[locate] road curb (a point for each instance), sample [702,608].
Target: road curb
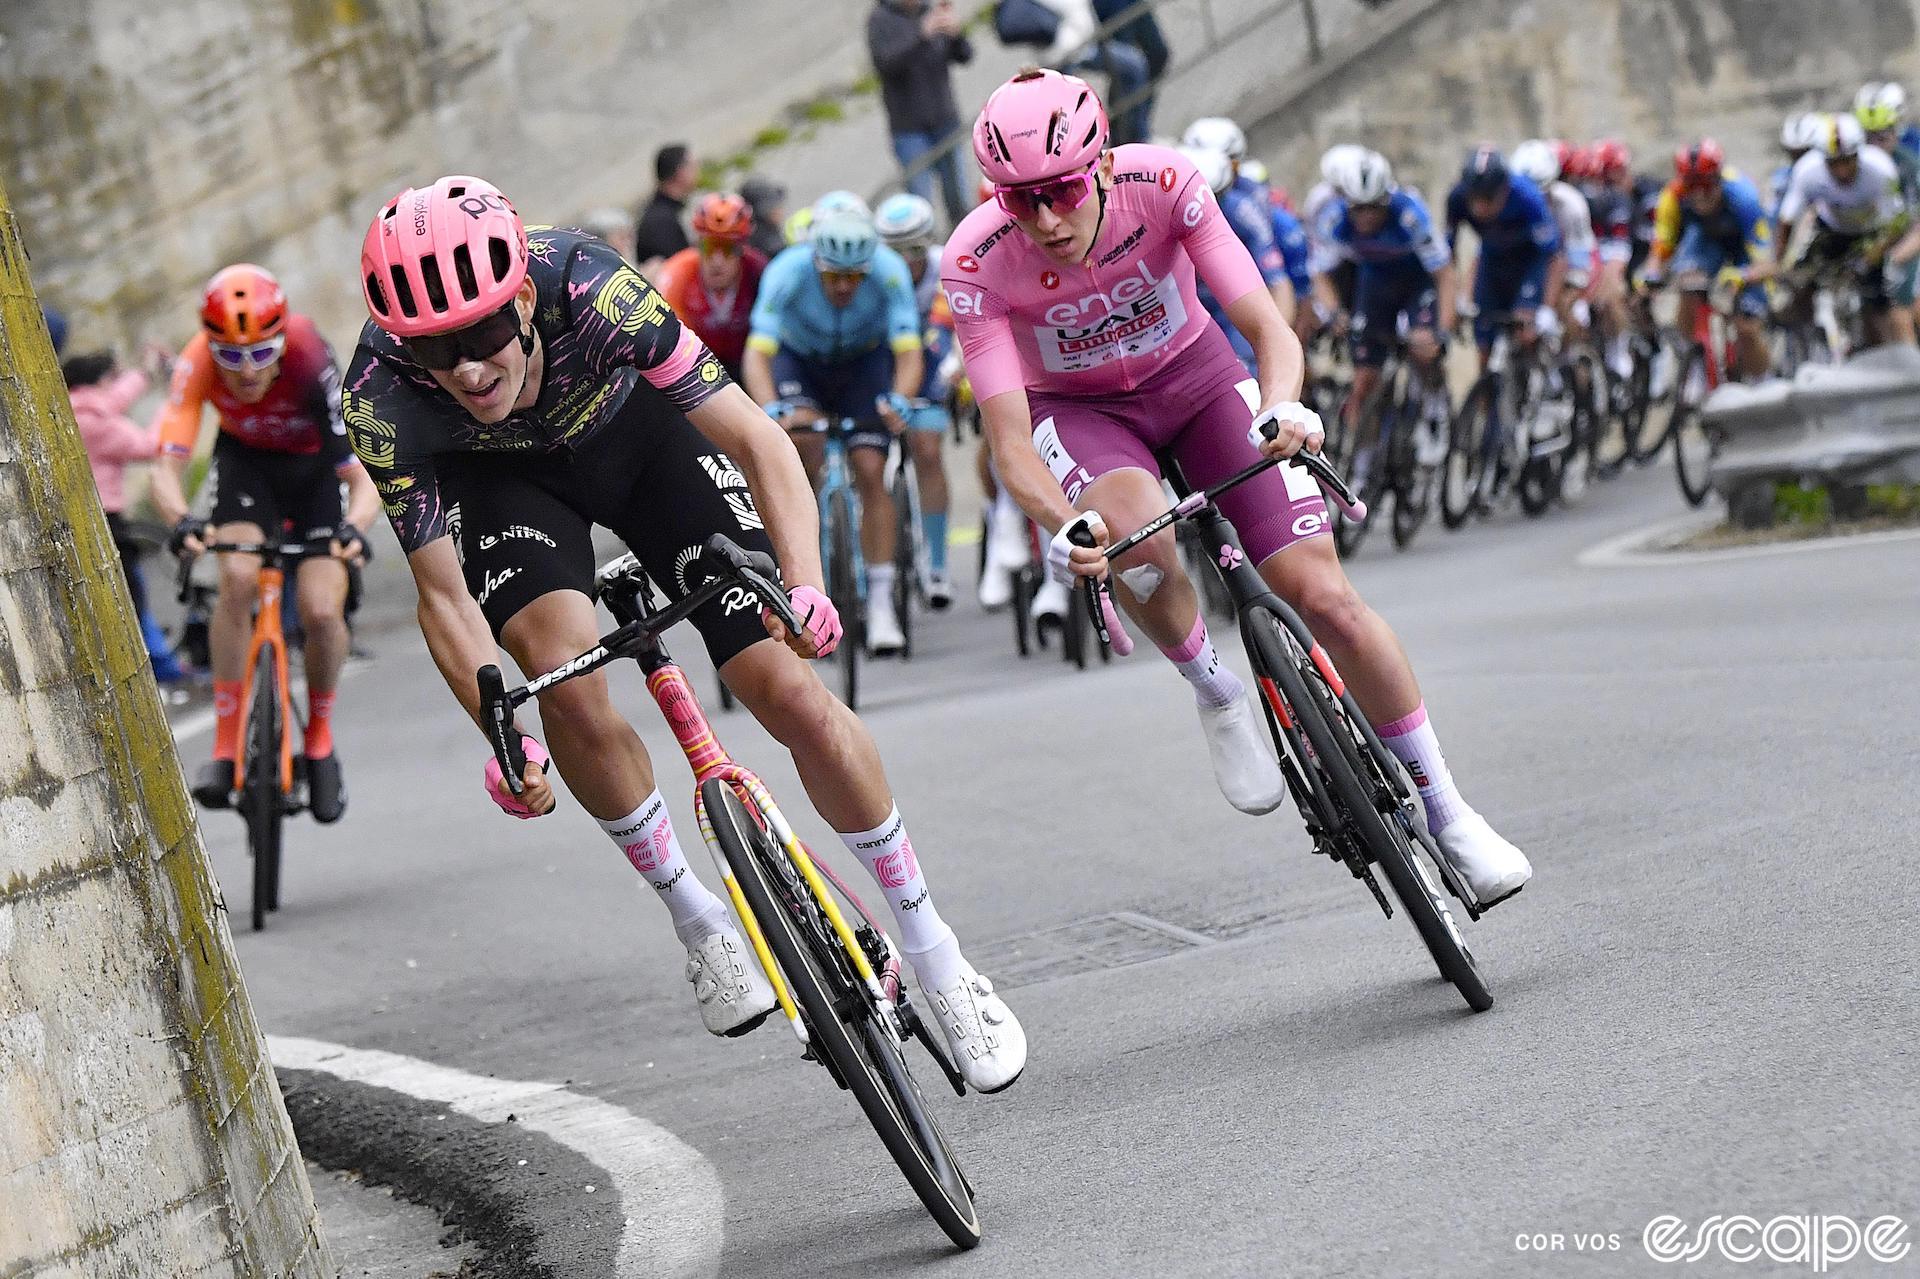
[518,1195]
[1642,547]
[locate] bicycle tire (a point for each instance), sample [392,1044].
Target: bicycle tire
[1022,605]
[1073,632]
[843,589]
[1388,842]
[863,1058]
[1693,449]
[906,564]
[1412,483]
[1466,457]
[1646,449]
[260,795]
[1539,484]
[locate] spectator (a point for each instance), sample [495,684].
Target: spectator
[613,226]
[101,399]
[914,45]
[768,199]
[1141,32]
[659,234]
[1073,48]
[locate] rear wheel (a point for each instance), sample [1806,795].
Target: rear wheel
[1375,815]
[843,588]
[1658,426]
[1412,482]
[841,1021]
[260,798]
[1022,611]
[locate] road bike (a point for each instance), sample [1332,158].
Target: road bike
[1397,424]
[1708,361]
[1358,806]
[268,780]
[840,552]
[837,979]
[1524,427]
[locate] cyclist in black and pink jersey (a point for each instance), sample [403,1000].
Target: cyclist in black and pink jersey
[512,391]
[1074,298]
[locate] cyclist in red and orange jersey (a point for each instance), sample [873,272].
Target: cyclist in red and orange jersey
[712,285]
[281,458]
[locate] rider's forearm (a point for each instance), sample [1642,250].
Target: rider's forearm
[1276,347]
[164,487]
[1326,296]
[1445,284]
[1556,277]
[363,500]
[756,369]
[1009,427]
[461,643]
[908,369]
[775,477]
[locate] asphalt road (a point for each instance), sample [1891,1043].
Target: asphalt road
[1702,1004]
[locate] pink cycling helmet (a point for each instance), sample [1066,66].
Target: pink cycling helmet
[1039,125]
[442,257]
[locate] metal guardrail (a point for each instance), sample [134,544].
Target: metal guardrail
[1215,39]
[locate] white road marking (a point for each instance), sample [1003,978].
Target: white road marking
[1639,548]
[672,1196]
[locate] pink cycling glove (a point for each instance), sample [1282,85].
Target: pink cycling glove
[817,617]
[497,780]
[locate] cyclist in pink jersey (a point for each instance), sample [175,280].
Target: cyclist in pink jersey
[1089,353]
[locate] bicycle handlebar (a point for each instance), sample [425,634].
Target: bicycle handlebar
[183,576]
[1100,598]
[723,564]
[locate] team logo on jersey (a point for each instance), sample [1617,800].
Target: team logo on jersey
[373,440]
[540,249]
[1167,178]
[1049,279]
[967,262]
[629,301]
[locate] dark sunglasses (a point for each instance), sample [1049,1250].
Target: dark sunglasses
[481,340]
[1062,195]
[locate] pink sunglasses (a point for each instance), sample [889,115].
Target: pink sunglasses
[1062,194]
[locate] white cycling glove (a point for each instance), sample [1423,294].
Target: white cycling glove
[1290,411]
[1060,549]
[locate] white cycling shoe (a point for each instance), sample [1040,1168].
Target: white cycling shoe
[883,628]
[983,1036]
[1492,867]
[1243,762]
[1050,604]
[996,586]
[939,591]
[733,993]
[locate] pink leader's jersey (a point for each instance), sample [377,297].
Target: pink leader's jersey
[1113,321]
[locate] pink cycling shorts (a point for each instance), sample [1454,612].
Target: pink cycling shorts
[1196,411]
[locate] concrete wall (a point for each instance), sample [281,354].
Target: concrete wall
[148,143]
[141,1130]
[1421,80]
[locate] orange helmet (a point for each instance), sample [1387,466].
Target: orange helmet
[723,216]
[243,305]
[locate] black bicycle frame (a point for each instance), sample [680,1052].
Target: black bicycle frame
[723,565]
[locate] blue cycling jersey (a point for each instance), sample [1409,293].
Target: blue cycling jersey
[792,312]
[1405,243]
[1521,234]
[1295,248]
[1245,204]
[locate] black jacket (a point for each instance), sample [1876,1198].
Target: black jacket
[915,84]
[659,234]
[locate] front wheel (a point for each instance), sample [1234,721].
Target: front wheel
[1374,817]
[906,554]
[843,1025]
[1461,474]
[1693,447]
[260,797]
[843,588]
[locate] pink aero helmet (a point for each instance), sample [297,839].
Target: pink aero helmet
[1039,125]
[442,257]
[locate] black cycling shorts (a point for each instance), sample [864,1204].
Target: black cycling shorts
[523,522]
[258,486]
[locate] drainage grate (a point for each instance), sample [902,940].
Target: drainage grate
[1088,945]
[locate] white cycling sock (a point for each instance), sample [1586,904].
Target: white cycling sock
[1199,664]
[1411,739]
[929,944]
[646,836]
[880,583]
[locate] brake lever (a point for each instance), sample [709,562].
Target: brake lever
[1322,470]
[496,718]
